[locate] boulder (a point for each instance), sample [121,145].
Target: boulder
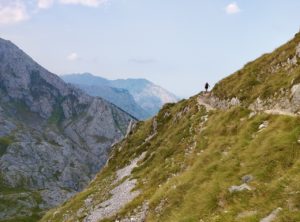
[247,178]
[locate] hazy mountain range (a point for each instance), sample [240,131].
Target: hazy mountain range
[139,97]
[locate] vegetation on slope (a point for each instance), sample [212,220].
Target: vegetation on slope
[190,163]
[193,157]
[265,76]
[4,143]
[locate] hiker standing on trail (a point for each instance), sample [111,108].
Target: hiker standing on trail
[206,86]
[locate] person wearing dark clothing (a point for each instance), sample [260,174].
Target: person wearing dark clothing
[206,86]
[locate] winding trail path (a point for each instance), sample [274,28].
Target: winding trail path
[202,101]
[280,112]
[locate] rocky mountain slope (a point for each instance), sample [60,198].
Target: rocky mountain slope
[221,156]
[148,96]
[53,137]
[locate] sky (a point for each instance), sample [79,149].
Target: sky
[177,44]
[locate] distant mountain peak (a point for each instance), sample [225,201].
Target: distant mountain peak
[149,96]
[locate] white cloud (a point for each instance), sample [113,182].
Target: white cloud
[12,12]
[73,56]
[44,4]
[15,11]
[232,8]
[90,3]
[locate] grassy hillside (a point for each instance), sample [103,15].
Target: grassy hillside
[198,165]
[265,76]
[193,160]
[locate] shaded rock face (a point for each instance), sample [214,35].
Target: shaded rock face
[53,137]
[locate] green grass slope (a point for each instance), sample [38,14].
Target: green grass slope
[194,157]
[191,163]
[265,76]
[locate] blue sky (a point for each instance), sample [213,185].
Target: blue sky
[178,44]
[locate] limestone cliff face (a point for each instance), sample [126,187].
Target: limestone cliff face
[53,137]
